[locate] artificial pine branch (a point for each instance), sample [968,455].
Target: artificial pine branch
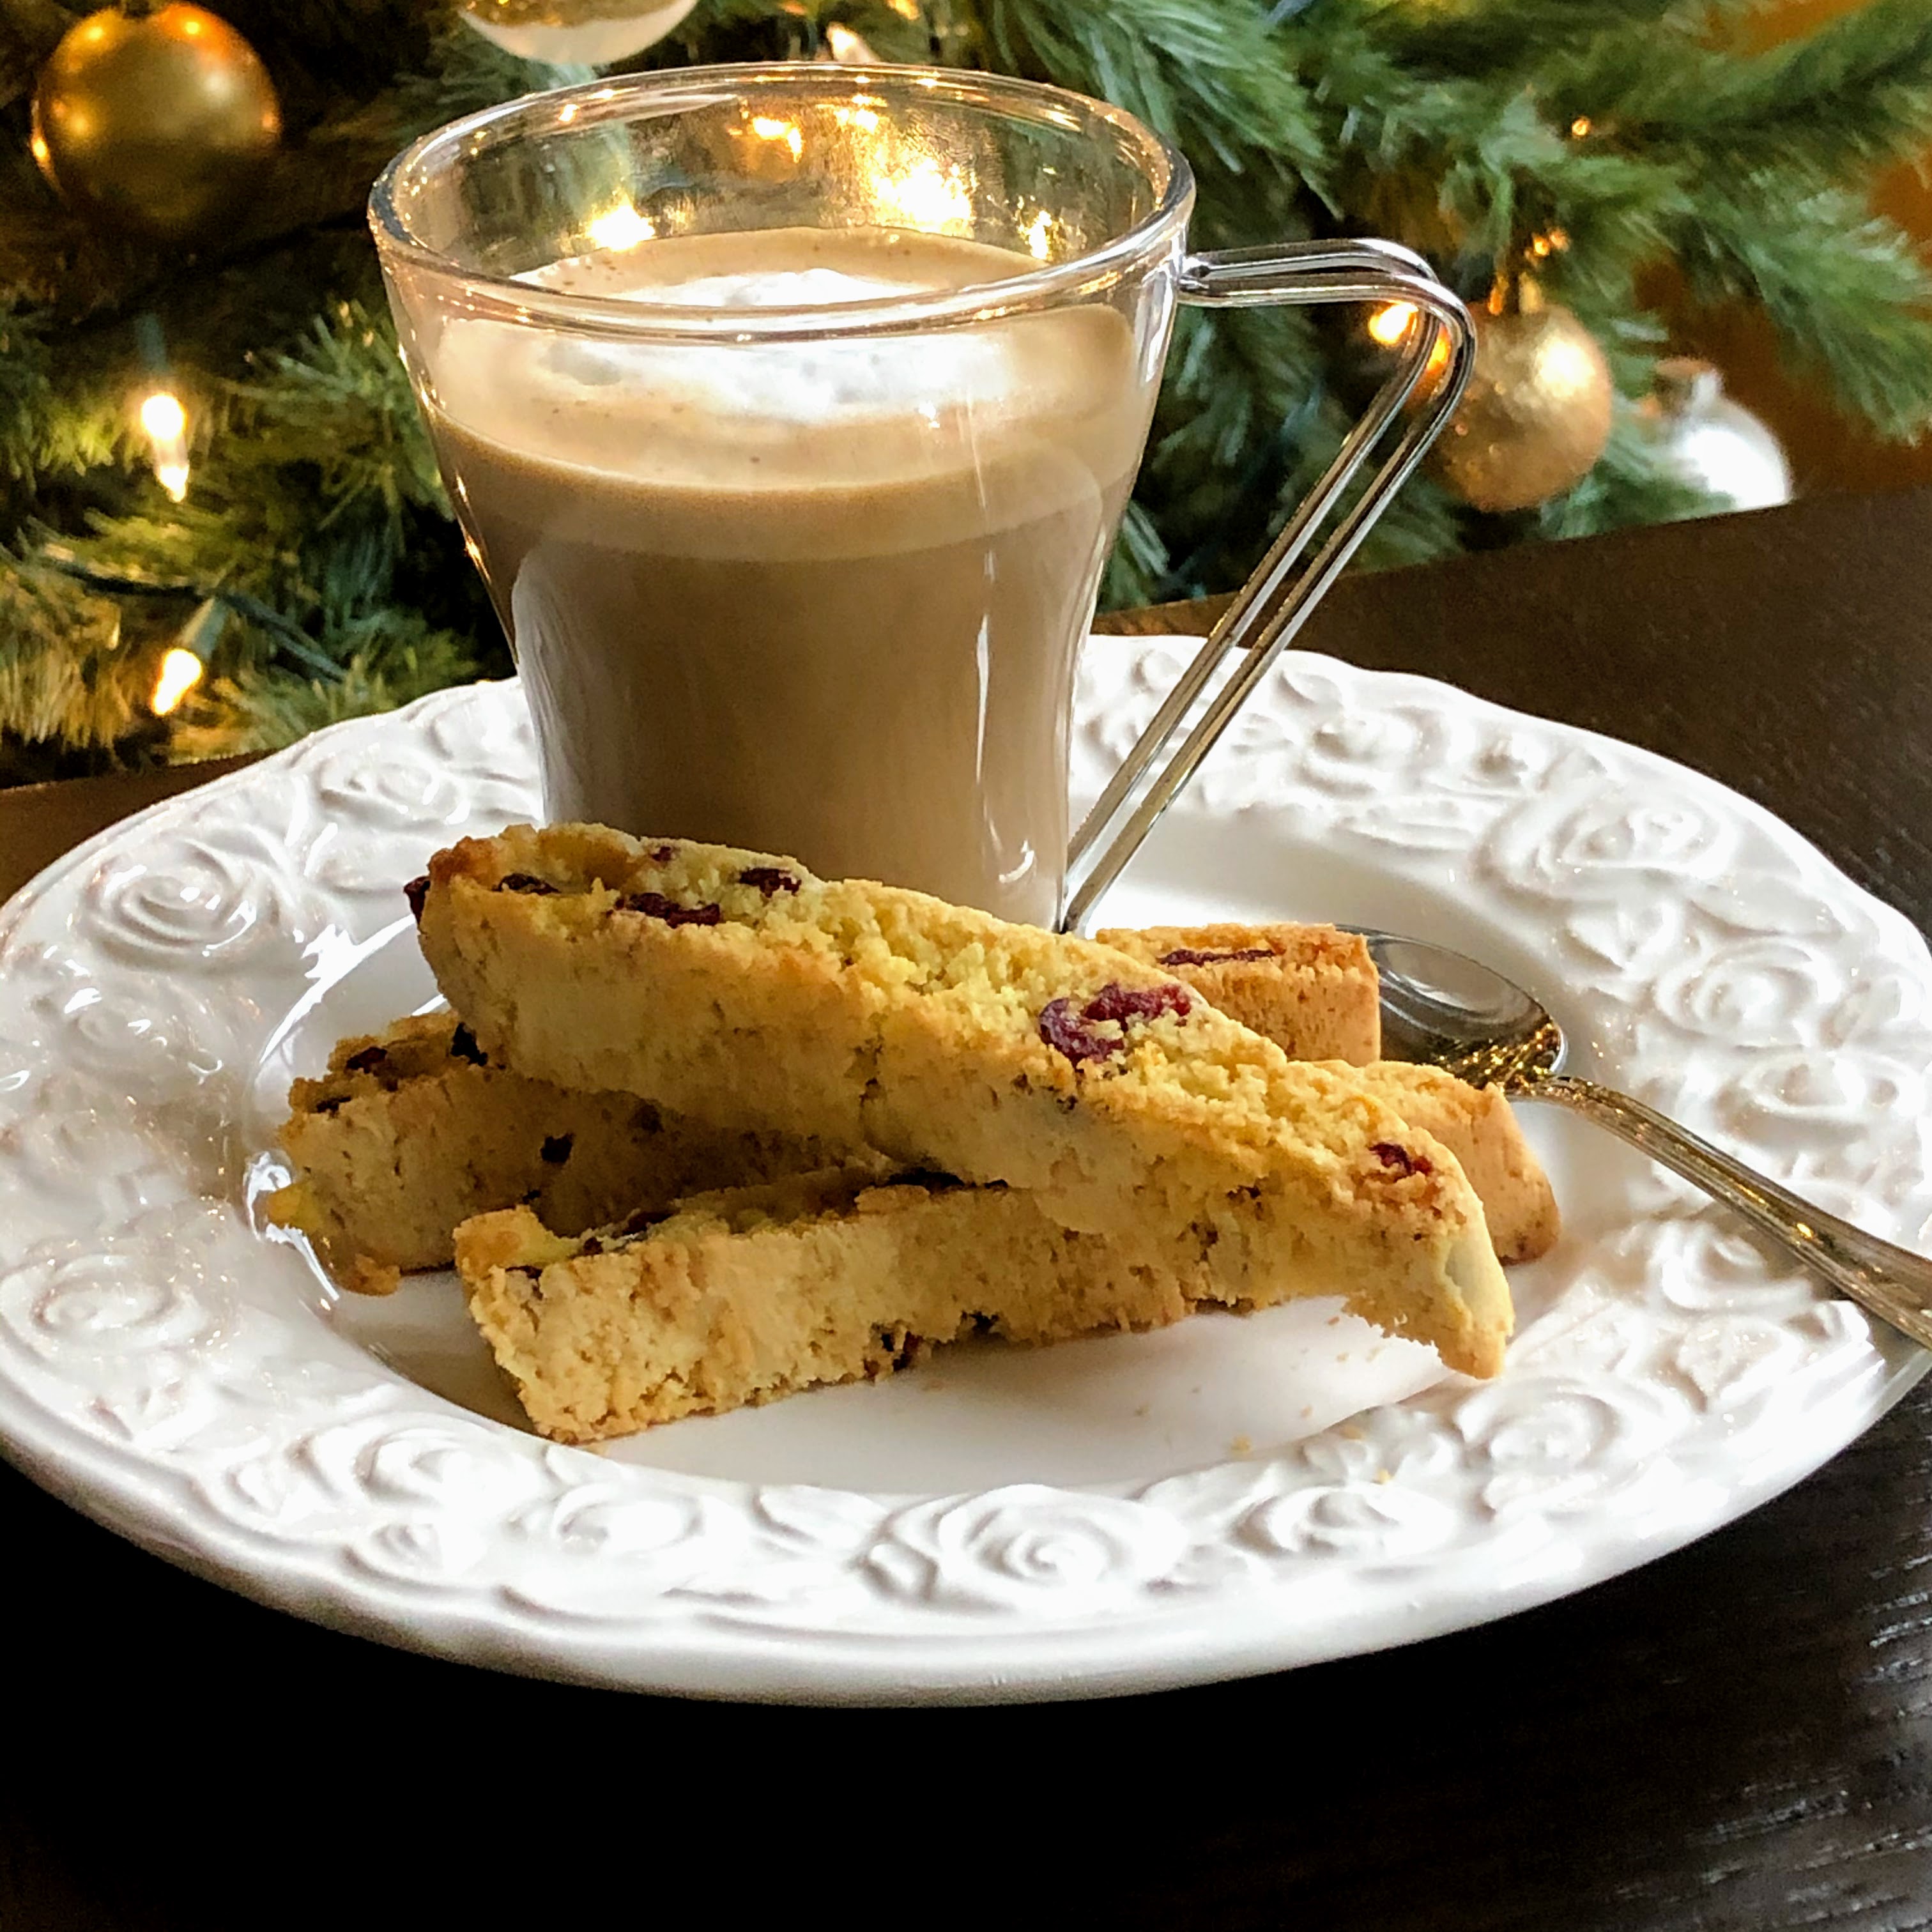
[1204,72]
[1846,290]
[65,673]
[1853,96]
[389,658]
[1503,37]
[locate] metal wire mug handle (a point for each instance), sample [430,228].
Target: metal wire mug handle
[1270,608]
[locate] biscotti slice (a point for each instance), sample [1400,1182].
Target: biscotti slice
[421,1132]
[737,987]
[1313,990]
[747,1294]
[386,1164]
[413,1130]
[1476,1125]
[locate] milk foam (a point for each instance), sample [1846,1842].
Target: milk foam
[797,382]
[937,401]
[762,288]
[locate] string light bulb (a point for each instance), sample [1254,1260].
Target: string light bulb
[852,49]
[181,670]
[164,422]
[184,663]
[1391,326]
[1391,322]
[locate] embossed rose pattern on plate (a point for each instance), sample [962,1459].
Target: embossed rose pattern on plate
[168,1369]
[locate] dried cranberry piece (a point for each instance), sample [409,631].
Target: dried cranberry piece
[1115,1001]
[1187,956]
[768,879]
[662,855]
[557,1149]
[416,892]
[371,1060]
[1061,1028]
[1399,1158]
[526,882]
[655,905]
[1070,1033]
[463,1046]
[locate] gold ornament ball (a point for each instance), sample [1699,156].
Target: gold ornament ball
[156,120]
[1537,413]
[593,32]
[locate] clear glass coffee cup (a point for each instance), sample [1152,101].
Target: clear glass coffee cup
[790,414]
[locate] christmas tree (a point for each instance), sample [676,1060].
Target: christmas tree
[221,523]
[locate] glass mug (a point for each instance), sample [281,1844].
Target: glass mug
[789,413]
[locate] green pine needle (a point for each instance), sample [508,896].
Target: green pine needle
[1850,296]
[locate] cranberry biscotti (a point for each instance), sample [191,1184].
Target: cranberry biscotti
[736,987]
[411,1130]
[747,1294]
[742,1296]
[1313,990]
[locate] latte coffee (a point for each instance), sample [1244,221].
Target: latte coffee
[820,598]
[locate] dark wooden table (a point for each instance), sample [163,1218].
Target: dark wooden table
[1739,1737]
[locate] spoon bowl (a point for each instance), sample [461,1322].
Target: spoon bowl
[1444,1009]
[1448,1010]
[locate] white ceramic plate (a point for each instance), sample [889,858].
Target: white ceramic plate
[1227,1496]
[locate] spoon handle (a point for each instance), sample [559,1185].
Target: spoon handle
[1890,1282]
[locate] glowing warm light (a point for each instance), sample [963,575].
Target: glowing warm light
[37,144]
[857,115]
[850,48]
[770,127]
[181,671]
[567,113]
[1391,323]
[1580,128]
[164,418]
[926,196]
[1040,236]
[164,421]
[620,227]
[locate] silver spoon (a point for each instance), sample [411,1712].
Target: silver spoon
[1445,1010]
